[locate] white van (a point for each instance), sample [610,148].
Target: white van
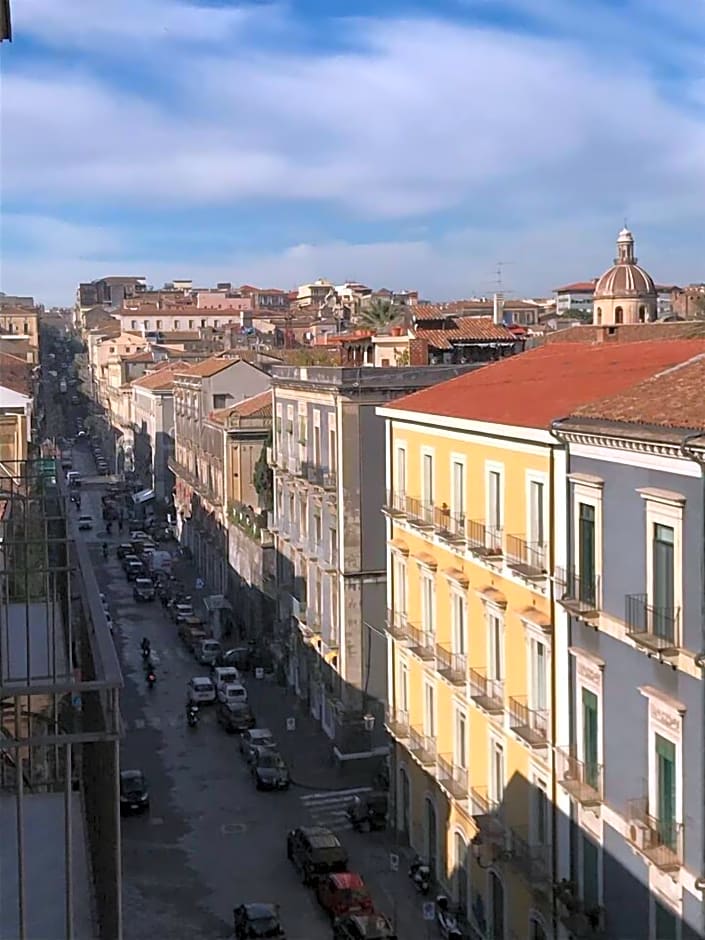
[225,675]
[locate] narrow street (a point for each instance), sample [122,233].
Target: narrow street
[210,840]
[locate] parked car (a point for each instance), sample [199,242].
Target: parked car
[315,852]
[232,692]
[137,535]
[144,590]
[135,570]
[235,718]
[343,893]
[191,632]
[222,675]
[85,522]
[269,771]
[134,795]
[258,920]
[123,549]
[181,611]
[127,559]
[256,737]
[363,927]
[200,690]
[207,652]
[238,657]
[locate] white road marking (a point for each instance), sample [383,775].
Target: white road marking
[334,794]
[327,808]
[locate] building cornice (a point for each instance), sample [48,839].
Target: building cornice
[640,445]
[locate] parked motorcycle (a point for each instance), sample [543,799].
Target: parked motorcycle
[446,920]
[420,875]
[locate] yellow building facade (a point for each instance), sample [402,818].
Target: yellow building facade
[470,532]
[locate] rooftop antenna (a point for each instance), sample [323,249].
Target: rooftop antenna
[498,299]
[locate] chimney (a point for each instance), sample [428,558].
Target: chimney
[497,309]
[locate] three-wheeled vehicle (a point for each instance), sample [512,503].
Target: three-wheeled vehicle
[368,811]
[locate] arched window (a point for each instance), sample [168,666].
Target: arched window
[496,906]
[599,315]
[642,314]
[618,315]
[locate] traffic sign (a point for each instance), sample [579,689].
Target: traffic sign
[429,910]
[259,673]
[393,861]
[291,724]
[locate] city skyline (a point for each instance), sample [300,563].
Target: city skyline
[273,144]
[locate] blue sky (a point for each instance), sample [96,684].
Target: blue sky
[404,144]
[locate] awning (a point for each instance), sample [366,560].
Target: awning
[426,559]
[492,596]
[143,497]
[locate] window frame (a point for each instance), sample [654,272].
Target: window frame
[430,727]
[589,491]
[400,452]
[428,453]
[428,604]
[495,613]
[589,677]
[533,478]
[460,717]
[458,602]
[665,718]
[458,510]
[496,743]
[492,466]
[532,635]
[665,508]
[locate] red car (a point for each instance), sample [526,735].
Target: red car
[343,893]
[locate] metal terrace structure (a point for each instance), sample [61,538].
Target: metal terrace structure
[59,722]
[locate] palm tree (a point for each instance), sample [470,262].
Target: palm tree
[379,314]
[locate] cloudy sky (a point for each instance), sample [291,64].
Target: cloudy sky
[401,143]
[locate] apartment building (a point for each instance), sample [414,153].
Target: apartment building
[478,700]
[21,322]
[630,774]
[152,320]
[153,417]
[16,409]
[198,461]
[329,537]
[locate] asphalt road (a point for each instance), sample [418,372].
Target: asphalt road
[210,840]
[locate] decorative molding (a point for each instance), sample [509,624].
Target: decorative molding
[622,447]
[587,479]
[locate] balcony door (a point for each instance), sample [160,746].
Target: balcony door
[427,482]
[537,521]
[666,790]
[457,496]
[496,788]
[428,605]
[401,473]
[538,677]
[494,500]
[459,623]
[663,585]
[495,660]
[429,718]
[589,705]
[586,554]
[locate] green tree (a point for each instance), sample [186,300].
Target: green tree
[263,478]
[379,314]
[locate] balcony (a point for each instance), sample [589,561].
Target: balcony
[450,526]
[422,643]
[578,594]
[581,922]
[581,780]
[526,559]
[660,841]
[532,858]
[419,513]
[395,504]
[422,747]
[483,540]
[487,814]
[397,625]
[453,778]
[397,722]
[329,480]
[530,724]
[655,628]
[487,694]
[299,611]
[452,666]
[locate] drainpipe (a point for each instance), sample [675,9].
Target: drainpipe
[689,454]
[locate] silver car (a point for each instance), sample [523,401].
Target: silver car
[255,739]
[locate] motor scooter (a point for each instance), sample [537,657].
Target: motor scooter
[446,920]
[192,716]
[420,875]
[151,679]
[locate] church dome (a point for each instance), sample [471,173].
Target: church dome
[625,279]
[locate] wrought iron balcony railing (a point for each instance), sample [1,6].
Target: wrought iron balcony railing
[422,746]
[452,666]
[397,721]
[581,920]
[531,724]
[397,624]
[450,526]
[488,694]
[487,814]
[578,593]
[484,540]
[395,503]
[299,610]
[581,779]
[453,777]
[422,642]
[655,627]
[527,559]
[660,840]
[419,512]
[530,856]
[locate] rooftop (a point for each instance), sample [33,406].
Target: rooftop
[160,378]
[584,287]
[537,387]
[256,406]
[209,367]
[477,329]
[629,332]
[14,374]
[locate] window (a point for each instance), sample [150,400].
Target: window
[160,324]
[494,499]
[134,325]
[457,494]
[496,787]
[586,554]
[177,324]
[536,930]
[427,480]
[220,401]
[203,324]
[589,744]
[665,766]
[303,518]
[333,546]
[400,481]
[461,739]
[216,324]
[403,695]
[540,813]
[618,315]
[318,530]
[317,439]
[666,790]
[536,516]
[663,579]
[459,622]
[145,324]
[664,923]
[495,658]
[538,673]
[428,604]
[334,610]
[461,872]
[496,907]
[429,718]
[399,585]
[112,350]
[332,449]
[590,857]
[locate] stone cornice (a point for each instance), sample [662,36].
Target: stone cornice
[635,444]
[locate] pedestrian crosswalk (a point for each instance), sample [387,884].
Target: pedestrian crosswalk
[154,723]
[328,807]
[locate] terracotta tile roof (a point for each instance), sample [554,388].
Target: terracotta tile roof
[14,374]
[160,378]
[209,367]
[339,339]
[465,328]
[578,286]
[143,356]
[629,332]
[258,405]
[535,388]
[673,399]
[430,312]
[179,336]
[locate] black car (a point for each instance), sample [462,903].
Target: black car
[258,920]
[143,589]
[238,657]
[135,570]
[270,772]
[363,927]
[315,851]
[122,550]
[235,717]
[134,795]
